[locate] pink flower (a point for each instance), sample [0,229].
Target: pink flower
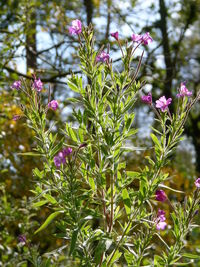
[115,35]
[161,225]
[16,117]
[38,85]
[102,57]
[53,104]
[197,182]
[16,85]
[183,91]
[160,195]
[163,103]
[160,220]
[76,27]
[146,38]
[147,99]
[161,215]
[136,37]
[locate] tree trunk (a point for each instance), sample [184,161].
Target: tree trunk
[31,49]
[108,19]
[89,10]
[193,130]
[166,50]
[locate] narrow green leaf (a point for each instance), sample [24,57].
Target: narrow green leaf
[40,203]
[156,141]
[38,173]
[51,217]
[51,199]
[127,202]
[73,241]
[57,147]
[92,183]
[73,86]
[115,257]
[174,190]
[101,247]
[71,132]
[33,154]
[158,261]
[72,99]
[191,256]
[183,263]
[132,174]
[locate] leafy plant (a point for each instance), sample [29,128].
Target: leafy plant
[104,213]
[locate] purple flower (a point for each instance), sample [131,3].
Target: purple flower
[161,215]
[16,85]
[16,117]
[163,103]
[115,35]
[102,57]
[38,85]
[197,182]
[57,161]
[22,239]
[136,37]
[183,91]
[160,220]
[147,99]
[61,157]
[146,38]
[160,195]
[76,27]
[67,151]
[53,104]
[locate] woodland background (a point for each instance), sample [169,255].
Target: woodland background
[34,38]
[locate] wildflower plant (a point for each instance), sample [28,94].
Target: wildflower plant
[103,218]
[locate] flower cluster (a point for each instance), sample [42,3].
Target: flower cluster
[76,27]
[53,104]
[144,39]
[37,85]
[183,91]
[16,85]
[160,220]
[163,103]
[60,158]
[102,57]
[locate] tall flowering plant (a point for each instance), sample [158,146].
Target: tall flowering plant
[101,216]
